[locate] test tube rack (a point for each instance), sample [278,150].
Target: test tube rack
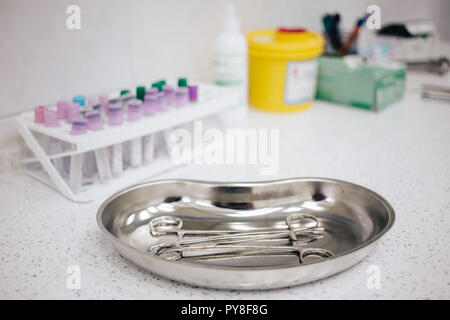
[212,100]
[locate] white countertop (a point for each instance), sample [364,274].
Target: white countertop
[403,153]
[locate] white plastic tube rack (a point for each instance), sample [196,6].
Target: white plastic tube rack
[212,100]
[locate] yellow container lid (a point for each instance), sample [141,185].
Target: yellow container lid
[285,43]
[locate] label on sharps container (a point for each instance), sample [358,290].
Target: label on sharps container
[300,83]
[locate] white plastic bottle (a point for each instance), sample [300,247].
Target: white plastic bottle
[230,55]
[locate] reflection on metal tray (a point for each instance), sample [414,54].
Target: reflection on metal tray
[353,218]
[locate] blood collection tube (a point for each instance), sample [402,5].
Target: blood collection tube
[134,114]
[79,127]
[115,118]
[94,122]
[55,145]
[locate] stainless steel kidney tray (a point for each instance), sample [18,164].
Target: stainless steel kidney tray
[354,219]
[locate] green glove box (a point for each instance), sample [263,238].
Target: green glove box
[352,81]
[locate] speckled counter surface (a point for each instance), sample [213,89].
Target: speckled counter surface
[403,153]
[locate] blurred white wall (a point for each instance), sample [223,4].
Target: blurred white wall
[123,42]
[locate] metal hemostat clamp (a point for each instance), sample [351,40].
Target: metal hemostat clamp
[301,228]
[233,251]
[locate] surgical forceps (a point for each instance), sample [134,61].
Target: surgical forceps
[233,251]
[294,231]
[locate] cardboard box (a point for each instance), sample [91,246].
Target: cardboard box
[367,85]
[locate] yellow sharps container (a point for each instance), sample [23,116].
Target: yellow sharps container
[283,68]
